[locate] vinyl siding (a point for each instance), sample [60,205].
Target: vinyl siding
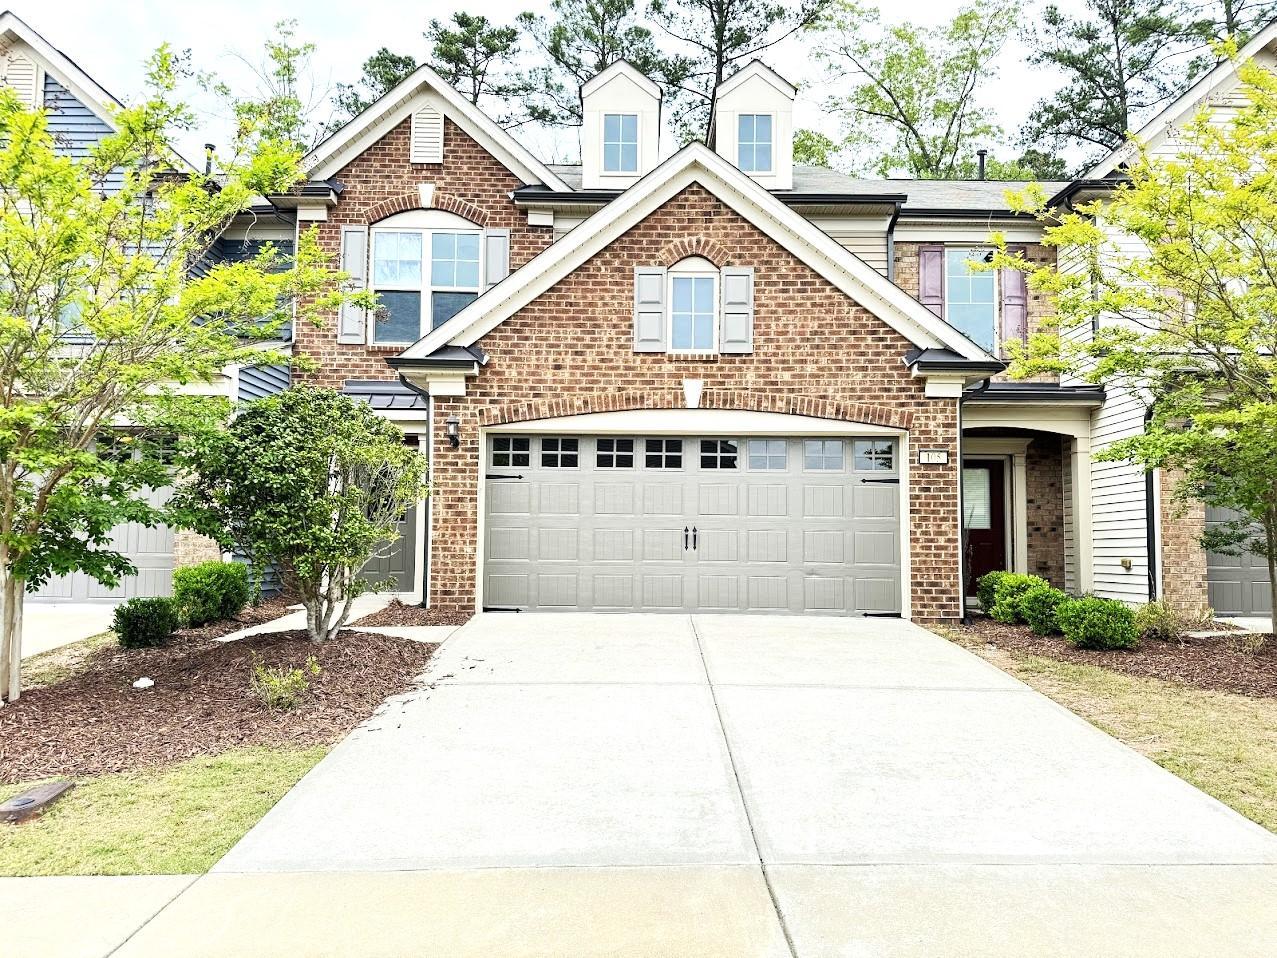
[76,128]
[256,382]
[1118,503]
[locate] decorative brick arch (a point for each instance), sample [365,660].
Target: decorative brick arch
[790,405]
[709,249]
[447,202]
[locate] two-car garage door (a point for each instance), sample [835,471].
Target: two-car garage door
[692,523]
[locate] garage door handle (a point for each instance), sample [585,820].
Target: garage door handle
[693,537]
[493,475]
[684,538]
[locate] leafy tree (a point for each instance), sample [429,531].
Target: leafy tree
[913,107]
[102,321]
[313,482]
[1122,59]
[814,149]
[381,72]
[717,37]
[1031,165]
[1176,303]
[1211,22]
[479,59]
[580,39]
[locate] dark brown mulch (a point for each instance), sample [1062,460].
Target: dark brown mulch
[96,722]
[399,615]
[1216,663]
[265,611]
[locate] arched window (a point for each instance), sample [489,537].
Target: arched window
[693,310]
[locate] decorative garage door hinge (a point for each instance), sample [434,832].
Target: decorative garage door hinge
[893,482]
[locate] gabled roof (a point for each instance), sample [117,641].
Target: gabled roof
[621,68]
[396,105]
[1223,77]
[752,69]
[60,66]
[695,164]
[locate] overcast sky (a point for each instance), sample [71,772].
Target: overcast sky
[110,41]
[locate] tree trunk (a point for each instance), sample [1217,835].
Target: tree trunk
[12,593]
[1270,539]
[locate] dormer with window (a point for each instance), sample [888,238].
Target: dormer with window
[754,125]
[621,127]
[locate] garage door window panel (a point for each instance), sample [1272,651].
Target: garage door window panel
[560,452]
[614,454]
[512,451]
[873,455]
[823,455]
[719,453]
[663,454]
[768,454]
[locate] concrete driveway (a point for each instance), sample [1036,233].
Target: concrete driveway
[735,786]
[51,625]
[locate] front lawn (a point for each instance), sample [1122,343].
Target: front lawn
[1222,742]
[175,821]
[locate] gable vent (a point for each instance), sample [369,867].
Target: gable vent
[20,74]
[427,136]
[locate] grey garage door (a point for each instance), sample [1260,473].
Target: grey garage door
[681,524]
[1236,585]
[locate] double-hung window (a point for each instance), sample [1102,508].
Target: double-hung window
[422,278]
[754,142]
[620,142]
[693,312]
[969,296]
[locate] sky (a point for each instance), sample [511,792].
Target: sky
[110,41]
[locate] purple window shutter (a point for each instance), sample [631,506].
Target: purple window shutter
[1015,303]
[931,278]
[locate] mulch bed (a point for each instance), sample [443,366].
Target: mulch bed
[95,721]
[399,615]
[1216,663]
[265,611]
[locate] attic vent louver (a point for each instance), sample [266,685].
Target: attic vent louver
[427,136]
[20,74]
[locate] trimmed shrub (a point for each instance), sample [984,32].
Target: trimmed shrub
[1038,605]
[211,591]
[146,623]
[281,688]
[986,589]
[1091,623]
[1006,597]
[1158,622]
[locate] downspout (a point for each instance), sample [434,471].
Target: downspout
[891,244]
[1152,559]
[965,613]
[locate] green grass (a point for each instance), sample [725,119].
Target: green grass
[176,820]
[1222,743]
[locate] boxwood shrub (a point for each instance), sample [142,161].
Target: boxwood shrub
[986,589]
[1038,605]
[1091,623]
[211,591]
[1006,597]
[146,623]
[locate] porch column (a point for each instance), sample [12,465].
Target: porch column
[1083,534]
[1020,510]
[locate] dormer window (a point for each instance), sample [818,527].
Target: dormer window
[620,143]
[754,142]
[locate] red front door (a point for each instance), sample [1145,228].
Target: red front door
[984,518]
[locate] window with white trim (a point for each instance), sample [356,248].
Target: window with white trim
[620,142]
[559,452]
[663,453]
[719,453]
[822,455]
[511,451]
[970,296]
[768,454]
[423,277]
[754,142]
[693,306]
[614,454]
[874,455]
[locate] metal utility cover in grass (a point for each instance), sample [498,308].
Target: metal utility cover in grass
[33,801]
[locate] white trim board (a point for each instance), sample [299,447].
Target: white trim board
[696,165]
[424,86]
[82,86]
[713,422]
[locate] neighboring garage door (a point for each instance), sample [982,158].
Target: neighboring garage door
[150,550]
[682,524]
[1236,585]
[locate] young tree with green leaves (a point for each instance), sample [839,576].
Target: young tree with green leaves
[313,482]
[1174,300]
[1122,59]
[912,105]
[814,149]
[380,73]
[714,39]
[104,323]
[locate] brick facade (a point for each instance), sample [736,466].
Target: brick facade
[1039,308]
[1183,559]
[1044,465]
[381,182]
[191,548]
[816,352]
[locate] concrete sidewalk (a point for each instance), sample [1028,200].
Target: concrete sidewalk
[51,625]
[735,786]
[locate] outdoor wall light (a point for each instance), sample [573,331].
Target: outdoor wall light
[453,429]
